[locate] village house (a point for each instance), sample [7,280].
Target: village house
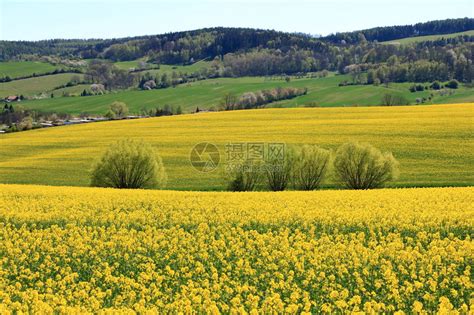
[12,98]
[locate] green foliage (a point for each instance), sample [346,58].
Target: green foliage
[452,84]
[362,166]
[278,171]
[103,72]
[120,109]
[207,93]
[25,124]
[129,164]
[110,114]
[417,88]
[250,100]
[310,167]
[244,176]
[417,71]
[394,99]
[436,85]
[388,33]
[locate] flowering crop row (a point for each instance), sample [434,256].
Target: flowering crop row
[68,250]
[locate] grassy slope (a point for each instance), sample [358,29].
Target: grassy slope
[127,65]
[433,143]
[15,69]
[208,93]
[34,86]
[189,69]
[416,39]
[72,90]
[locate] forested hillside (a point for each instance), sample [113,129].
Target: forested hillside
[249,52]
[387,33]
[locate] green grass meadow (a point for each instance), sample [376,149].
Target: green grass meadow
[128,65]
[208,93]
[36,85]
[16,69]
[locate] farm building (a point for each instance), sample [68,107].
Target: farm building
[12,98]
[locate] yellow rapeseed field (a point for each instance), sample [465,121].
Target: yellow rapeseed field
[71,250]
[433,143]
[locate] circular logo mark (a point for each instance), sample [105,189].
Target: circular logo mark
[205,157]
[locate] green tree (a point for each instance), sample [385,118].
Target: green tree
[129,164]
[436,85]
[244,177]
[110,114]
[120,109]
[393,99]
[452,84]
[361,166]
[165,80]
[26,123]
[279,170]
[310,167]
[371,76]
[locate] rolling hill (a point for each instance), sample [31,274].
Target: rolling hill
[208,93]
[416,39]
[16,69]
[155,69]
[36,85]
[433,143]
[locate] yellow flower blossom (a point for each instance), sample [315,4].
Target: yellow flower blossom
[88,250]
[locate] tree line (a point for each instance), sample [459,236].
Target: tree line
[460,69]
[388,33]
[258,99]
[249,52]
[136,164]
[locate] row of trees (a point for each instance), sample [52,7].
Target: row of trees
[135,164]
[259,99]
[119,110]
[436,85]
[105,73]
[166,110]
[418,71]
[19,118]
[418,61]
[355,166]
[269,62]
[181,47]
[149,81]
